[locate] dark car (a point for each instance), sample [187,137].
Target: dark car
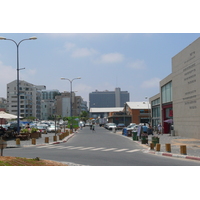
[120,126]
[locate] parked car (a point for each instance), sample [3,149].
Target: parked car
[132,127]
[5,126]
[111,126]
[52,128]
[42,129]
[120,126]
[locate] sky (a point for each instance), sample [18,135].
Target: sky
[135,62]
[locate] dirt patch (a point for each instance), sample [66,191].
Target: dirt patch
[189,142]
[18,161]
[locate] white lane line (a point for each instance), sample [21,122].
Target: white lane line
[39,147]
[86,148]
[96,149]
[120,150]
[61,147]
[75,147]
[133,150]
[109,149]
[50,147]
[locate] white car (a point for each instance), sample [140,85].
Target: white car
[132,127]
[52,128]
[110,126]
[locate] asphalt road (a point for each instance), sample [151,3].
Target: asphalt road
[98,148]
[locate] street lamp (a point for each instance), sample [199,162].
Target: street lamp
[148,108]
[17,45]
[70,92]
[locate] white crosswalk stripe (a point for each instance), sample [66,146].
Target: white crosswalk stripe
[87,148]
[133,150]
[120,150]
[75,148]
[97,149]
[109,149]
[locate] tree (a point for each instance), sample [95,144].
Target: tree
[84,116]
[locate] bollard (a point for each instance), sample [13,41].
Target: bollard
[33,141]
[168,147]
[46,139]
[183,150]
[17,141]
[114,130]
[60,137]
[157,147]
[151,146]
[54,138]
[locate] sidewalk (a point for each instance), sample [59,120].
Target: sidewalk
[40,141]
[192,146]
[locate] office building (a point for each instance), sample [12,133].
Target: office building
[105,99]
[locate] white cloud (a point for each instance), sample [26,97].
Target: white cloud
[111,58]
[69,46]
[79,52]
[152,83]
[83,52]
[138,64]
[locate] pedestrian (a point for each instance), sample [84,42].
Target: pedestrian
[150,130]
[93,127]
[159,129]
[144,128]
[27,125]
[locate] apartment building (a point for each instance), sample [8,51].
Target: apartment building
[29,99]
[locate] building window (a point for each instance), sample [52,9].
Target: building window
[166,91]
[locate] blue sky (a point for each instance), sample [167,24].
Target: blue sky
[135,62]
[107,43]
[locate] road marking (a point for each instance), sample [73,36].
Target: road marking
[109,149]
[96,149]
[61,147]
[75,147]
[120,150]
[86,148]
[133,150]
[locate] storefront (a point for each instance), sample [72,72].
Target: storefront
[167,113]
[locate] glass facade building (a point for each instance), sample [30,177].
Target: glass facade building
[105,99]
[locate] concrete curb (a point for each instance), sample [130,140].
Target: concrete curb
[58,142]
[173,155]
[167,153]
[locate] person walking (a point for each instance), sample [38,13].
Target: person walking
[150,130]
[93,127]
[160,129]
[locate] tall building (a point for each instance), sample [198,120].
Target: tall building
[62,104]
[29,99]
[48,103]
[104,99]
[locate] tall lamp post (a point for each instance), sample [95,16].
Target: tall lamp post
[70,92]
[17,45]
[148,108]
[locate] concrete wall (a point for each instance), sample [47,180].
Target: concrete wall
[186,91]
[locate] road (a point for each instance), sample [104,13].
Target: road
[99,148]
